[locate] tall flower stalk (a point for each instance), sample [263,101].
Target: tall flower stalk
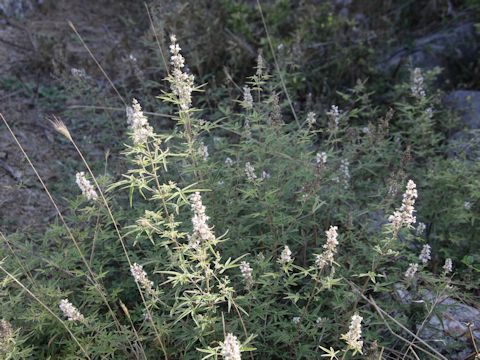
[182,85]
[201,231]
[330,249]
[403,217]
[354,334]
[138,122]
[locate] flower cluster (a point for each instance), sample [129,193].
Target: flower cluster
[334,116]
[330,249]
[421,227]
[182,82]
[260,65]
[403,217]
[230,348]
[429,113]
[411,271]
[425,254]
[247,129]
[80,74]
[311,118]
[228,161]
[354,334]
[321,158]
[250,172]
[448,266]
[138,123]
[247,98]
[201,231]
[6,337]
[141,277]
[285,256]
[87,188]
[247,271]
[417,87]
[319,322]
[70,311]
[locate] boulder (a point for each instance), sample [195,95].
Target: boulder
[458,44]
[448,326]
[465,141]
[467,103]
[17,8]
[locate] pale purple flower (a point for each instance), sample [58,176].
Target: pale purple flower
[230,348]
[86,187]
[70,311]
[285,256]
[448,266]
[247,271]
[141,277]
[354,334]
[425,255]
[201,231]
[411,271]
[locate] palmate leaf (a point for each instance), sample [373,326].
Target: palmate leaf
[210,351]
[330,353]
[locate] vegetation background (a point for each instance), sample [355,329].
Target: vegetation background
[84,62]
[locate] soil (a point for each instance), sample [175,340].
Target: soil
[32,51]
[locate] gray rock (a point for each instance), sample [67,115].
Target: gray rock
[449,324]
[466,139]
[18,8]
[467,103]
[460,43]
[453,318]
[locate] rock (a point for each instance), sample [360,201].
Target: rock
[448,327]
[454,318]
[18,8]
[466,139]
[466,102]
[458,44]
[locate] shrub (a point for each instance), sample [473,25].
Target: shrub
[251,236]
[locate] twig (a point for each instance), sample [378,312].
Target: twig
[381,312]
[14,45]
[470,326]
[276,65]
[156,38]
[425,320]
[96,62]
[11,171]
[117,109]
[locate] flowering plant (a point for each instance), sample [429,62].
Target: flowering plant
[236,238]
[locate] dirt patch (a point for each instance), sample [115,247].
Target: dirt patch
[33,51]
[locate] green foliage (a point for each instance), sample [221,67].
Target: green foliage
[234,222]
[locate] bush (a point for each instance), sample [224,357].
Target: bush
[253,235]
